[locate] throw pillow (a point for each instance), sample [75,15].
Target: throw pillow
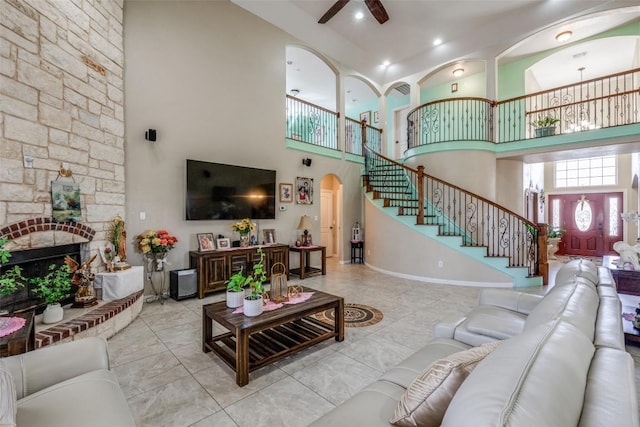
[427,398]
[8,400]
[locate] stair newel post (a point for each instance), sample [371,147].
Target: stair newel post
[543,264]
[420,219]
[363,129]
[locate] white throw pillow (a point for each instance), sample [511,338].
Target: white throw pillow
[8,399]
[427,398]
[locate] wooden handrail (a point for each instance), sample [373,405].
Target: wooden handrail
[302,101]
[441,101]
[598,98]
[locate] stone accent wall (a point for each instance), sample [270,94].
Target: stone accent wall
[61,89]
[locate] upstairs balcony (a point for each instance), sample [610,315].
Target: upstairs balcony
[601,103]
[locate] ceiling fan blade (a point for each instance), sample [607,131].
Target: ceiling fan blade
[333,10]
[377,10]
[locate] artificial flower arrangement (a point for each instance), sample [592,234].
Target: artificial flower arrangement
[243,227]
[155,242]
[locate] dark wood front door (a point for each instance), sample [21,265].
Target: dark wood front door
[592,222]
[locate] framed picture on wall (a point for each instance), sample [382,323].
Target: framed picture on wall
[205,242]
[286,193]
[366,116]
[376,117]
[304,191]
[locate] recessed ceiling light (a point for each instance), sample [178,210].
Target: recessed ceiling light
[294,92]
[386,63]
[437,42]
[564,36]
[359,15]
[458,72]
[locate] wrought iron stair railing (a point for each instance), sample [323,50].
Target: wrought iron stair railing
[456,212]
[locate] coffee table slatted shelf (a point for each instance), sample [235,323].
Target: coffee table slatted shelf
[253,342]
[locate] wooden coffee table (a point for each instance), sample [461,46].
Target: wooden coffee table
[22,340]
[253,342]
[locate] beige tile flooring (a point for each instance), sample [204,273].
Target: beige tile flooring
[169,381]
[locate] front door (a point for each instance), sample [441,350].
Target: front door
[592,222]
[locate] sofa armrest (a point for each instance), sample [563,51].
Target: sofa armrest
[447,328]
[42,368]
[520,302]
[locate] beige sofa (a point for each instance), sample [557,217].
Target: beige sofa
[63,385]
[562,362]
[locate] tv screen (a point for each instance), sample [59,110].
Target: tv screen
[217,191]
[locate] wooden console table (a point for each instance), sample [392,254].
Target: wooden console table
[22,340]
[215,267]
[627,281]
[305,268]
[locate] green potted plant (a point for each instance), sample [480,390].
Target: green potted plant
[253,302]
[545,126]
[235,289]
[53,287]
[11,280]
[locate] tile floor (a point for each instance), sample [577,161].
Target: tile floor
[169,381]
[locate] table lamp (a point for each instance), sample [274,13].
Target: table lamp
[305,224]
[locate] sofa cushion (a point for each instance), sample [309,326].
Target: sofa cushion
[8,399]
[92,399]
[406,371]
[534,379]
[577,268]
[494,327]
[611,392]
[427,398]
[609,332]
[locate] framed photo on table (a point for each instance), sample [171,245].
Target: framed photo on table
[269,236]
[205,242]
[286,193]
[223,243]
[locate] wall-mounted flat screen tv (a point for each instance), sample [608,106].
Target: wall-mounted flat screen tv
[218,191]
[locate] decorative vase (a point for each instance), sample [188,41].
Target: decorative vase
[244,240]
[552,247]
[234,299]
[53,313]
[545,131]
[252,307]
[157,261]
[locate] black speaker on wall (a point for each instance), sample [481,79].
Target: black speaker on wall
[183,284]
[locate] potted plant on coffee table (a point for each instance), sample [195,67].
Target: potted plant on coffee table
[235,289]
[253,303]
[53,287]
[545,126]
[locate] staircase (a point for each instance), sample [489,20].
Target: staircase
[456,218]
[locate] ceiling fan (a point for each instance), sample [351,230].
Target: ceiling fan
[375,7]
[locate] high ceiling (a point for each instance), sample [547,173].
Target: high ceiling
[467,28]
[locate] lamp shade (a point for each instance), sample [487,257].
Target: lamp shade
[305,223]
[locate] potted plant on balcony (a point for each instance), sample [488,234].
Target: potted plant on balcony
[545,126]
[11,280]
[554,235]
[235,289]
[253,303]
[53,287]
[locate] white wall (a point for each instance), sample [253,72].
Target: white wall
[210,78]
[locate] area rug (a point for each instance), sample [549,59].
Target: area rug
[355,316]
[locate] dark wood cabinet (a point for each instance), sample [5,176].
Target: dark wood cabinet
[627,281]
[215,267]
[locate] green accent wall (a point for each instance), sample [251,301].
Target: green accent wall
[511,74]
[473,86]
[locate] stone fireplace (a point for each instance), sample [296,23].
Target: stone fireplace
[37,243]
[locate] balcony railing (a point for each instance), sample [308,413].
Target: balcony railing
[603,102]
[459,119]
[310,123]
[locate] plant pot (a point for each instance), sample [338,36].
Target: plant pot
[235,299]
[545,131]
[252,307]
[244,240]
[552,247]
[53,313]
